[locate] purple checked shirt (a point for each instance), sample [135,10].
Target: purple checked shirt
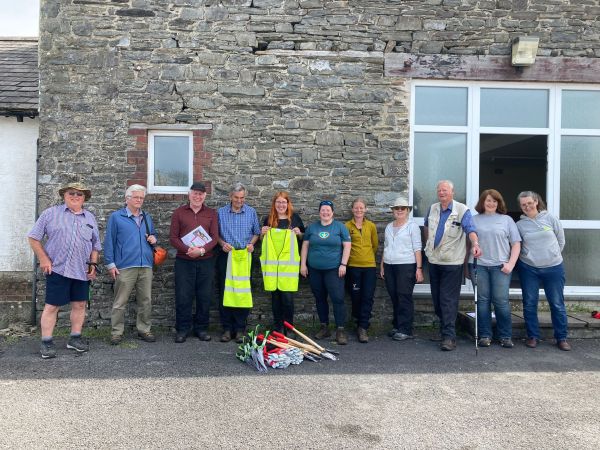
[71,239]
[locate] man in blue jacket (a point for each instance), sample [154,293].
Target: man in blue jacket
[129,258]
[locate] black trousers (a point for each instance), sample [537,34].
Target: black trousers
[445,291]
[283,308]
[400,282]
[232,319]
[362,290]
[193,281]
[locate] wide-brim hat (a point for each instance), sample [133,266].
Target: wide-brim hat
[78,187]
[400,201]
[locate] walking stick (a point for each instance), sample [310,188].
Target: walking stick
[474,281]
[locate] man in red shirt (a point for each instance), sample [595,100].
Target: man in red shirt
[192,225]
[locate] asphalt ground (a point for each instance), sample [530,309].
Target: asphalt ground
[383,394]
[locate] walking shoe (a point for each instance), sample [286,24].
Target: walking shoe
[448,345]
[180,338]
[392,332]
[77,344]
[226,336]
[340,336]
[436,339]
[564,345]
[148,337]
[48,349]
[484,342]
[116,339]
[239,336]
[323,332]
[363,337]
[531,342]
[506,343]
[203,336]
[401,336]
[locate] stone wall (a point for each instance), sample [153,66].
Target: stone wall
[294,92]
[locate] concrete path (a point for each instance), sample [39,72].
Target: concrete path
[382,395]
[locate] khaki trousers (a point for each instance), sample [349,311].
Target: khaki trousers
[139,278]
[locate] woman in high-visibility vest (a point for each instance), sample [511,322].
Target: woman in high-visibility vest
[362,268]
[324,258]
[280,258]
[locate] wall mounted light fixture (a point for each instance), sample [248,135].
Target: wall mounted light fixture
[524,50]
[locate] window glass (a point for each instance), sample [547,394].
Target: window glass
[438,156]
[522,108]
[582,257]
[171,161]
[441,106]
[581,109]
[579,180]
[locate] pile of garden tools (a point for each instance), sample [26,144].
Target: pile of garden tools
[275,350]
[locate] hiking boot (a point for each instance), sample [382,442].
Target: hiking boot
[401,336]
[484,342]
[148,337]
[116,339]
[48,349]
[239,336]
[226,336]
[77,344]
[506,343]
[564,345]
[323,332]
[203,336]
[448,345]
[363,337]
[531,342]
[340,336]
[392,332]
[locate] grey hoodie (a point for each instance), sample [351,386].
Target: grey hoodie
[543,240]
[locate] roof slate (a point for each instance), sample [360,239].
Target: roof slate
[19,76]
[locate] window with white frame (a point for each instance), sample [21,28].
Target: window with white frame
[515,136]
[170,161]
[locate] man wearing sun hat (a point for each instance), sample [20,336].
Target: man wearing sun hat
[68,260]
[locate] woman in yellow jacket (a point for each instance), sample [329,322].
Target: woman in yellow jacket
[362,269]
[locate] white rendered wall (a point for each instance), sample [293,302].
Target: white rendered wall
[18,148]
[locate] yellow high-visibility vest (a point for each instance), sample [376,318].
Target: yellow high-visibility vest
[237,279]
[280,260]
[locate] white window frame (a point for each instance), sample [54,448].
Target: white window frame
[152,188]
[554,132]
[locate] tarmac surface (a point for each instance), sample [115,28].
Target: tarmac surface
[384,395]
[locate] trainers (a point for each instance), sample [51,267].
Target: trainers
[363,337]
[48,349]
[116,339]
[323,332]
[448,345]
[340,336]
[392,332]
[77,344]
[484,342]
[148,337]
[203,336]
[401,336]
[180,338]
[226,336]
[506,343]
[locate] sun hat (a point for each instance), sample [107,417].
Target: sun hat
[78,187]
[400,201]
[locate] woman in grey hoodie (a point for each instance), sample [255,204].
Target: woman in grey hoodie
[541,261]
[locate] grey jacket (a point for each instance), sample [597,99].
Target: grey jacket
[543,240]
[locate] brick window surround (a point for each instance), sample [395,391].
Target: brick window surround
[137,156]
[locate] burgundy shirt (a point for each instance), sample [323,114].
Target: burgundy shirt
[184,220]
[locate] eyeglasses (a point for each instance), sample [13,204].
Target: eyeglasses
[136,198]
[75,193]
[281,202]
[400,208]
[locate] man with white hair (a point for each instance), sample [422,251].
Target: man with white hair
[129,257]
[447,225]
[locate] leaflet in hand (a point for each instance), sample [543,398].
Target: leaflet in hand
[198,237]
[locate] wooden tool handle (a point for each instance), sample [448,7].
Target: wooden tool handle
[303,336]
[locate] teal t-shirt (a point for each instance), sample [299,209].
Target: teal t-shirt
[325,249]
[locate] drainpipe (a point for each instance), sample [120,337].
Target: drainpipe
[33,317]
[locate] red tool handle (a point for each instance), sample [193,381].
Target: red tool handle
[288,325]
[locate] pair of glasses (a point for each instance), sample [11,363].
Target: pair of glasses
[75,193]
[400,208]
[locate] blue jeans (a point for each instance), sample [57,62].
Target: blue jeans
[193,284]
[553,281]
[362,290]
[323,283]
[492,289]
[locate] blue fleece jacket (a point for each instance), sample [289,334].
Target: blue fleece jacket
[125,243]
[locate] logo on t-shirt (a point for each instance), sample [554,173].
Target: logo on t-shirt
[324,234]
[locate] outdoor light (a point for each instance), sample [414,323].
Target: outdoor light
[524,50]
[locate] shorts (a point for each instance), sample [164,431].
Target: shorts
[62,290]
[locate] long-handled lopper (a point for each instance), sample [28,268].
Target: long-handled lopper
[310,348]
[284,345]
[309,340]
[474,281]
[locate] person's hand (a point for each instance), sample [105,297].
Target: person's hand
[420,276]
[46,266]
[382,273]
[296,231]
[114,273]
[151,239]
[507,268]
[265,230]
[195,252]
[227,247]
[250,248]
[476,251]
[91,275]
[342,271]
[303,270]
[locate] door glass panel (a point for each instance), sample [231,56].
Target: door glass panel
[581,109]
[441,106]
[582,257]
[171,160]
[521,108]
[438,156]
[579,180]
